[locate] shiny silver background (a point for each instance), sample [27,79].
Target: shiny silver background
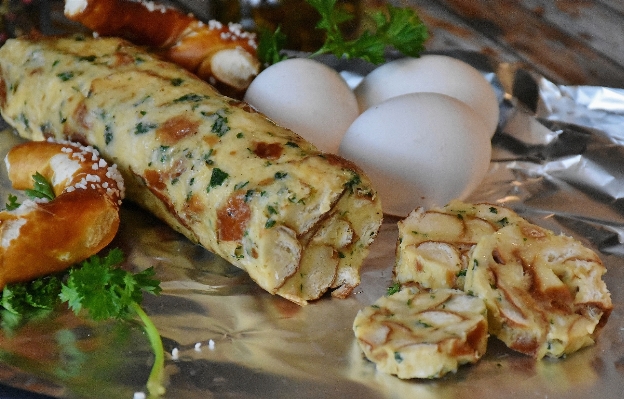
[562,167]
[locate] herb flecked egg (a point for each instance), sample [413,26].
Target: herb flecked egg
[307,97]
[419,149]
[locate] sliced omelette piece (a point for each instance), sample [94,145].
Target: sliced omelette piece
[434,246]
[544,292]
[422,334]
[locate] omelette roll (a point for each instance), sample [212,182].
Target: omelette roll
[298,221]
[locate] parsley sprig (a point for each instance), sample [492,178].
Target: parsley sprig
[393,289]
[12,204]
[42,188]
[270,46]
[398,28]
[401,29]
[100,289]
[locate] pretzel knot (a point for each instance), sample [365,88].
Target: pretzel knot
[42,236]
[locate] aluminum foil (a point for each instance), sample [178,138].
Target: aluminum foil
[558,160]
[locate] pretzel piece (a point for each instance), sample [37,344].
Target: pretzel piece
[224,55]
[41,237]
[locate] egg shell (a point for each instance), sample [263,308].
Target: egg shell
[431,73]
[419,149]
[307,97]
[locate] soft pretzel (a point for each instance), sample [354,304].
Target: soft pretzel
[46,236]
[224,55]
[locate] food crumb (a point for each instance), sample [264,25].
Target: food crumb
[139,395]
[211,345]
[198,347]
[174,354]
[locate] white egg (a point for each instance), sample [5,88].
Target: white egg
[431,73]
[419,149]
[308,97]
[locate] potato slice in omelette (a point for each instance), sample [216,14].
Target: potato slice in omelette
[544,292]
[434,245]
[422,334]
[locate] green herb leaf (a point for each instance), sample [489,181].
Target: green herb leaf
[65,76]
[108,134]
[353,182]
[192,97]
[401,28]
[240,185]
[41,188]
[142,127]
[12,204]
[422,324]
[270,46]
[88,58]
[23,298]
[393,289]
[220,125]
[217,178]
[105,291]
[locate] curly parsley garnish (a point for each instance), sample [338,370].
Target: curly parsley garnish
[398,28]
[401,29]
[100,289]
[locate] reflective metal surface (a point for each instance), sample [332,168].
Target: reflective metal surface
[226,338]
